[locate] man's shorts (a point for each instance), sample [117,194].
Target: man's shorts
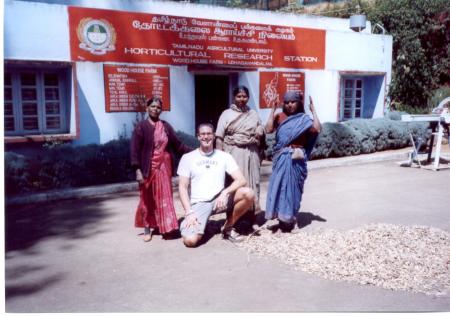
[203,210]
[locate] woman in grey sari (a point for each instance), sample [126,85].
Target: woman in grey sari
[240,133]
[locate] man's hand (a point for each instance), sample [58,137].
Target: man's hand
[139,176]
[221,202]
[191,220]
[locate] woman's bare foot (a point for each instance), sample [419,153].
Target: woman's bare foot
[147,237]
[148,232]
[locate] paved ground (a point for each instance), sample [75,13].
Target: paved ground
[85,255]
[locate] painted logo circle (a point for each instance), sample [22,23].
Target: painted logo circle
[96,36]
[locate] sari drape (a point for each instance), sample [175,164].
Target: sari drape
[156,209]
[241,142]
[288,176]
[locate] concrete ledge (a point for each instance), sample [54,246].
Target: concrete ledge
[400,154]
[266,170]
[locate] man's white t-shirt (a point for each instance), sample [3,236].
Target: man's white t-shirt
[207,173]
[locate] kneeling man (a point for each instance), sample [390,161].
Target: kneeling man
[204,170]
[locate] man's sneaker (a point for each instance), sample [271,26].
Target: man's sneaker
[271,225]
[232,235]
[256,229]
[289,227]
[295,230]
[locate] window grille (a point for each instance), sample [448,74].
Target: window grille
[35,101]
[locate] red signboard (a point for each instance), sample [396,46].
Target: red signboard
[127,88]
[273,85]
[118,36]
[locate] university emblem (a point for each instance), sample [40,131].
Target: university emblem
[96,36]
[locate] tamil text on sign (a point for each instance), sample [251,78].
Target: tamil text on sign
[118,36]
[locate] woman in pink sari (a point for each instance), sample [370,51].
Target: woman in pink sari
[152,143]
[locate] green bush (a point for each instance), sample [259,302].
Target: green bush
[270,142]
[405,108]
[438,95]
[395,115]
[17,175]
[337,140]
[188,139]
[59,167]
[363,136]
[65,166]
[420,48]
[421,58]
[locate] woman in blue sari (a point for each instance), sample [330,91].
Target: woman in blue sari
[296,134]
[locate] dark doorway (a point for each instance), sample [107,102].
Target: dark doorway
[211,98]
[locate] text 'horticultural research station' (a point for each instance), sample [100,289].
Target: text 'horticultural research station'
[118,36]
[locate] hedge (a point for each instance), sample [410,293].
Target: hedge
[65,166]
[363,136]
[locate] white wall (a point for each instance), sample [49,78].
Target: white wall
[182,99]
[323,87]
[96,125]
[381,102]
[359,53]
[40,31]
[356,52]
[250,79]
[215,12]
[35,31]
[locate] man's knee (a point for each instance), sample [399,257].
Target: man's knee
[192,241]
[247,194]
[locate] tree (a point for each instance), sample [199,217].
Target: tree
[421,52]
[421,38]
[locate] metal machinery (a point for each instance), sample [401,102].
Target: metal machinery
[439,121]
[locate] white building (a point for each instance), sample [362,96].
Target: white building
[75,71]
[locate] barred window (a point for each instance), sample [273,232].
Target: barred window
[35,101]
[351,98]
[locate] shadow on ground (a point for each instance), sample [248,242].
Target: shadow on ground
[214,227]
[305,218]
[22,289]
[26,225]
[243,226]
